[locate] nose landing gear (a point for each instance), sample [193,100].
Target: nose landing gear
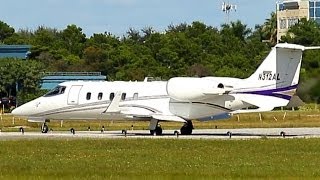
[44,128]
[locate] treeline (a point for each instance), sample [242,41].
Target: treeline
[181,50]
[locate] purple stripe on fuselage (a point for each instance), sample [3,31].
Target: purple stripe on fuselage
[273,92]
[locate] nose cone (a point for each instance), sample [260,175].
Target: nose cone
[24,110]
[19,111]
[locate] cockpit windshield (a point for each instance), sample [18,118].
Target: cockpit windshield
[56,91]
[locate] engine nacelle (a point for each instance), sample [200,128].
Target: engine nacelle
[193,89]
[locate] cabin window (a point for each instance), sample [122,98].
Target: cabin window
[111,96]
[56,91]
[135,96]
[123,96]
[100,96]
[88,96]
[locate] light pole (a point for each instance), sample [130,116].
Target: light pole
[227,7]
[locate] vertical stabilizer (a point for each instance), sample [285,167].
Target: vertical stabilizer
[276,79]
[281,68]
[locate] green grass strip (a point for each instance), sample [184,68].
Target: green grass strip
[159,159]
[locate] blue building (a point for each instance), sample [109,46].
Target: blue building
[52,79]
[14,51]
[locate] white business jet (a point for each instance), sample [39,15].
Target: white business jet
[181,99]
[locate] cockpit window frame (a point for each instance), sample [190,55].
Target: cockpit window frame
[58,90]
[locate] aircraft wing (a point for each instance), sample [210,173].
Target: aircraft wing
[114,108]
[168,118]
[159,117]
[114,105]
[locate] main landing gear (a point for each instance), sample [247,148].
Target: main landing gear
[155,127]
[157,131]
[187,128]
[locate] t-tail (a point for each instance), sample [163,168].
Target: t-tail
[276,79]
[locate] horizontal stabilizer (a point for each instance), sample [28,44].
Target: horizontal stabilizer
[264,103]
[295,46]
[312,48]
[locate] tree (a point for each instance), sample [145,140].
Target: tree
[269,29]
[147,32]
[47,37]
[25,75]
[134,35]
[23,36]
[305,33]
[73,39]
[5,31]
[103,40]
[178,28]
[236,29]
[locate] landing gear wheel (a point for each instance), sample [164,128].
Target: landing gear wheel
[157,131]
[187,128]
[44,128]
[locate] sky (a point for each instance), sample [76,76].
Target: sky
[117,16]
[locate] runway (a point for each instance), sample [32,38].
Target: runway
[169,134]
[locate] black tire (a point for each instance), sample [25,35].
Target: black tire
[229,134]
[21,130]
[158,130]
[44,128]
[187,128]
[72,131]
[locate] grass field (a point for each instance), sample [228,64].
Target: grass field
[253,120]
[160,159]
[164,158]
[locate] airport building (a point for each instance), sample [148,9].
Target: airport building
[289,12]
[52,79]
[14,51]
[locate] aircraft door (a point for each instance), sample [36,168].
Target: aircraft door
[73,96]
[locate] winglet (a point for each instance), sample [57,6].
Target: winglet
[114,105]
